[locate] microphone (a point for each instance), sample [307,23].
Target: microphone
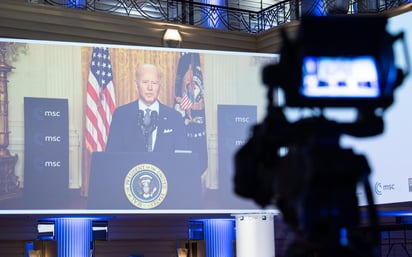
[154,118]
[147,124]
[140,115]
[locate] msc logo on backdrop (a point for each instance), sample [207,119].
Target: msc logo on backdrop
[145,186]
[380,188]
[41,114]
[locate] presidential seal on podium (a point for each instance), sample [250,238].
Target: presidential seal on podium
[145,186]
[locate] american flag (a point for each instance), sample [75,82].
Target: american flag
[187,101]
[100,100]
[189,95]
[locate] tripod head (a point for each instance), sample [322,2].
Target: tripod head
[299,166]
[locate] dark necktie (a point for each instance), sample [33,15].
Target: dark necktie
[146,118]
[146,123]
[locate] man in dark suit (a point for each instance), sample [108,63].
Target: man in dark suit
[146,125]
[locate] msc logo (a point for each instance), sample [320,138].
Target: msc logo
[242,119]
[41,114]
[41,139]
[52,164]
[240,142]
[52,138]
[51,113]
[41,164]
[380,188]
[145,186]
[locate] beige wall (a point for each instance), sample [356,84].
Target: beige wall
[43,71]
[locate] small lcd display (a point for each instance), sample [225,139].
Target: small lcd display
[340,77]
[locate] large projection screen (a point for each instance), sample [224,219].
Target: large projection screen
[61,101]
[48,166]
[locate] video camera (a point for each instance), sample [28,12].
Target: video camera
[334,61]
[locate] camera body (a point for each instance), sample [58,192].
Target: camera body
[337,61]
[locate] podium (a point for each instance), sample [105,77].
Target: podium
[145,181]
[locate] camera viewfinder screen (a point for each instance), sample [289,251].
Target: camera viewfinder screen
[340,77]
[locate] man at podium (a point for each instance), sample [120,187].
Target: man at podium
[147,125]
[146,157]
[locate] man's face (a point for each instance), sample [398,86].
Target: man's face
[148,85]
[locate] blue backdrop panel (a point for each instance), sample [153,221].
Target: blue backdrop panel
[234,128]
[46,153]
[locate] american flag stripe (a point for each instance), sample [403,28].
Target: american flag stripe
[186,103]
[98,122]
[93,122]
[100,100]
[94,136]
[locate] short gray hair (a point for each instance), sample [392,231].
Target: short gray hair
[148,66]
